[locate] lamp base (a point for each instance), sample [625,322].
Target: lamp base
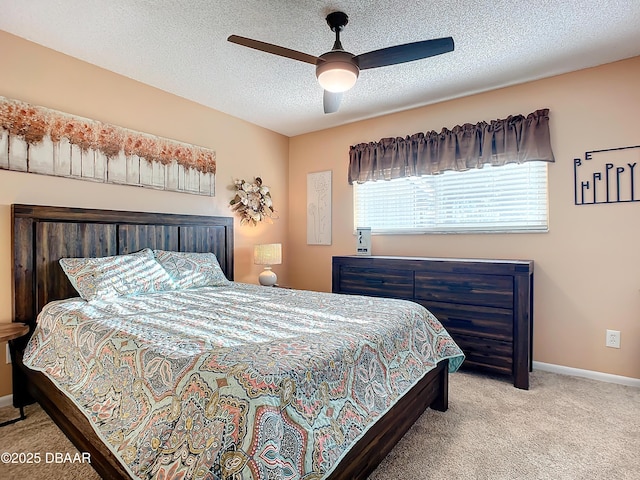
[268,278]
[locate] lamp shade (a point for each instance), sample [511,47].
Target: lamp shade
[337,73]
[267,254]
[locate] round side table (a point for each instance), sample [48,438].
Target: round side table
[9,332]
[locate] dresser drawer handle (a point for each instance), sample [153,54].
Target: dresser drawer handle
[464,321]
[462,288]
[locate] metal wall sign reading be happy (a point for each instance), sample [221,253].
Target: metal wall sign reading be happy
[610,175]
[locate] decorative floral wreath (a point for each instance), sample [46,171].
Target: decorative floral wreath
[252,202]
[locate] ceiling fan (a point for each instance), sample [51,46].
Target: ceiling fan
[337,70]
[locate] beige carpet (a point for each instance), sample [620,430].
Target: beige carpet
[562,428]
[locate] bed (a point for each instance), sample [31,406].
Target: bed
[42,235]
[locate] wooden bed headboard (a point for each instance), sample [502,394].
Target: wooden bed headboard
[41,235]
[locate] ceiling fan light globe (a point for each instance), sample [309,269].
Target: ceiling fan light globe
[337,77]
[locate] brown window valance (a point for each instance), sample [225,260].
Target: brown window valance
[515,139]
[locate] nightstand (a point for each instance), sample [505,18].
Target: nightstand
[8,333]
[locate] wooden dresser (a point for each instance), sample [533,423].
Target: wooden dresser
[486,305]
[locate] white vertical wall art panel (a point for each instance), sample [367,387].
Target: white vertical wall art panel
[99,166]
[17,154]
[192,180]
[146,173]
[181,178]
[76,161]
[319,208]
[158,175]
[117,169]
[62,158]
[41,157]
[206,185]
[133,170]
[171,178]
[4,149]
[88,163]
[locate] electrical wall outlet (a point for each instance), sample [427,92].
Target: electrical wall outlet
[8,354]
[613,338]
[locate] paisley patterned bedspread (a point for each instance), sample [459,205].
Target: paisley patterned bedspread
[238,381]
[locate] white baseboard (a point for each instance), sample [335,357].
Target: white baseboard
[578,372]
[6,401]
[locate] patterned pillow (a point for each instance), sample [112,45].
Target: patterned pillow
[116,276]
[190,270]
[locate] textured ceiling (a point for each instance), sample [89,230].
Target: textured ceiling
[180,47]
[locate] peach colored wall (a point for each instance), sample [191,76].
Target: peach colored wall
[587,267]
[43,77]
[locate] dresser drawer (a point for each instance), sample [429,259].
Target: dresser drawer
[486,322]
[489,290]
[376,282]
[486,354]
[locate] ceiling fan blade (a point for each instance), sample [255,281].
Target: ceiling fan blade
[331,101]
[275,49]
[407,52]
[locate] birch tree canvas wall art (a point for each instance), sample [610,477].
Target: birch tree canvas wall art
[35,139]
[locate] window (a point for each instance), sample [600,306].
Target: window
[507,198]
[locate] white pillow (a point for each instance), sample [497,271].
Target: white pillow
[191,270]
[116,276]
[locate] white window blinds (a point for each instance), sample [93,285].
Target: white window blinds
[507,198]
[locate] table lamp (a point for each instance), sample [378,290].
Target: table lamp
[267,254]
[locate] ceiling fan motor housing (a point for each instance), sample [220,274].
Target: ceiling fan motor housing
[337,71]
